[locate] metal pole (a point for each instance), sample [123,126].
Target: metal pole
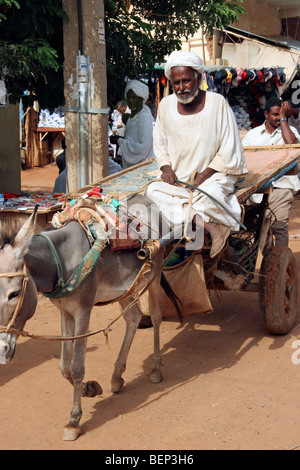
[82,66]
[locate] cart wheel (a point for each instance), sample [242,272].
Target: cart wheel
[278,290]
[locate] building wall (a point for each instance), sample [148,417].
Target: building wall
[10,169]
[250,55]
[262,18]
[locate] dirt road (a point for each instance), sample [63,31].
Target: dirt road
[227,384]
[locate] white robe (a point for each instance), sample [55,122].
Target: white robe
[209,138]
[137,144]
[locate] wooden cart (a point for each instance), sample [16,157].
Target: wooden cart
[277,284]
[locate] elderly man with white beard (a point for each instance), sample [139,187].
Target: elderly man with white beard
[196,131]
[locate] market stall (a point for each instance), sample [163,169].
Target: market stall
[16,208]
[247,90]
[44,131]
[47,138]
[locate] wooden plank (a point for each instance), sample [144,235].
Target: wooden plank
[128,181]
[16,218]
[50,129]
[264,164]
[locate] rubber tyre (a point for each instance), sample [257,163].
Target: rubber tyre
[278,290]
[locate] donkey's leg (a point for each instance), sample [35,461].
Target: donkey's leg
[72,429]
[132,318]
[81,321]
[67,328]
[88,389]
[155,313]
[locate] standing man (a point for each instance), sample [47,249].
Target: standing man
[196,131]
[276,131]
[137,144]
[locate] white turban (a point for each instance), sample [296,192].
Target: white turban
[139,88]
[183,59]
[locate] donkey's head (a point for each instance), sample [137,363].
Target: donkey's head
[18,295]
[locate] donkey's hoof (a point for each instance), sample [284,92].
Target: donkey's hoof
[91,389]
[71,432]
[155,377]
[116,385]
[145,322]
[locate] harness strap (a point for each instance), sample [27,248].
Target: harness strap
[21,297]
[60,282]
[63,289]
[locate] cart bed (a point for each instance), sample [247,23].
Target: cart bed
[265,164]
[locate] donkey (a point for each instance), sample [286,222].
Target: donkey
[111,278]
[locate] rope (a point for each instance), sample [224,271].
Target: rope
[21,298]
[62,284]
[189,209]
[214,199]
[106,330]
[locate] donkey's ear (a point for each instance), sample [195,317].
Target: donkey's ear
[25,233]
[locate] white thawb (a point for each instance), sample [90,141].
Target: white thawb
[209,138]
[137,144]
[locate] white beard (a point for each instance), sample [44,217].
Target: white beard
[188,100]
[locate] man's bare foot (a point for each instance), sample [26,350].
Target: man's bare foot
[219,234]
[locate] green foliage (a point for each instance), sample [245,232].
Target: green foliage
[4,5]
[143,34]
[31,50]
[139,33]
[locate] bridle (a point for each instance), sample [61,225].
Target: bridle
[8,328]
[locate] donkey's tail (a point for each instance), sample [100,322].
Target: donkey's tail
[172,296]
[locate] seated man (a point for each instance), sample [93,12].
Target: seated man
[196,131]
[276,131]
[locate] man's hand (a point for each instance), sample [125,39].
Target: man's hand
[286,110]
[287,134]
[203,176]
[168,175]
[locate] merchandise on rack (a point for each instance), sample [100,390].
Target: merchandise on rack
[247,91]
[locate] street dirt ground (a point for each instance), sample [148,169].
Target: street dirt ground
[228,384]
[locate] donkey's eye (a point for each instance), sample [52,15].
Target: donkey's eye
[14,294]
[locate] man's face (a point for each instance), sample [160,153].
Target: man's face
[273,116]
[185,83]
[122,109]
[135,103]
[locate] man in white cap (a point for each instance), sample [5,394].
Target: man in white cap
[137,144]
[196,131]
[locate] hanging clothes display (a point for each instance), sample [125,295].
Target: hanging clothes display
[247,91]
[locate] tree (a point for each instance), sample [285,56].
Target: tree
[139,33]
[31,50]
